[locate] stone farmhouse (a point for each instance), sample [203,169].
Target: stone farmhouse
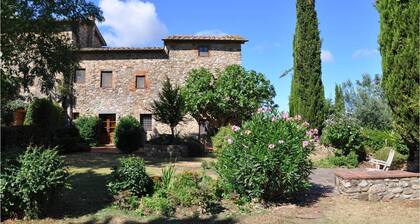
[116,81]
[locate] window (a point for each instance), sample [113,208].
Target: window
[106,79]
[80,76]
[203,51]
[146,121]
[140,82]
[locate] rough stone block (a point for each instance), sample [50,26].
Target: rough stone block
[377,188]
[363,183]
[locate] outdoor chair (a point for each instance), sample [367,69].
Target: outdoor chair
[384,164]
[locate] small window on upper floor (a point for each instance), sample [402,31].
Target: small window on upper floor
[203,51]
[80,76]
[140,82]
[106,79]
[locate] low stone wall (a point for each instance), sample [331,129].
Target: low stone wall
[165,151]
[378,185]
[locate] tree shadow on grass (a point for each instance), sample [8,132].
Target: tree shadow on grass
[88,194]
[310,196]
[159,220]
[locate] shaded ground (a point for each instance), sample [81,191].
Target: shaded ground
[89,202]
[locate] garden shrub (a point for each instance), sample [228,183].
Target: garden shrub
[89,129]
[267,157]
[375,140]
[45,115]
[130,175]
[67,140]
[398,161]
[344,133]
[17,136]
[126,200]
[191,189]
[156,205]
[195,147]
[29,186]
[220,138]
[129,135]
[165,139]
[349,161]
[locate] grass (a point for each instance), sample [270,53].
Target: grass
[89,202]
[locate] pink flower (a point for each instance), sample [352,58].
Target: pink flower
[235,128]
[271,146]
[285,115]
[229,141]
[305,124]
[305,143]
[274,118]
[281,141]
[298,117]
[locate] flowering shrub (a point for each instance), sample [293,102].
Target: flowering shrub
[345,134]
[267,157]
[220,138]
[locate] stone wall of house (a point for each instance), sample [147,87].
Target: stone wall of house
[372,188]
[124,99]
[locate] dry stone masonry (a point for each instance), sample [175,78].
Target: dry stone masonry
[379,185]
[178,56]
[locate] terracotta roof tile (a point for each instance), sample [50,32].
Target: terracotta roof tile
[88,49]
[207,37]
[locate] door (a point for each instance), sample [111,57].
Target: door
[107,129]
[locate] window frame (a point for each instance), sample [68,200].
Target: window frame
[84,76]
[112,79]
[199,51]
[144,81]
[143,116]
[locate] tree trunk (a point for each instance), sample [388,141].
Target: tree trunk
[413,159]
[172,134]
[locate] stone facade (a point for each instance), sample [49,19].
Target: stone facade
[379,185]
[175,59]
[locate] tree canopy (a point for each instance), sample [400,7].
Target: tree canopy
[31,46]
[366,102]
[229,97]
[399,43]
[307,92]
[169,108]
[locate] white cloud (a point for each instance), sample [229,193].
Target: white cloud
[214,32]
[326,56]
[131,23]
[366,52]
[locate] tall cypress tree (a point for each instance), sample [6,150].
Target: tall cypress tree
[339,107]
[307,92]
[399,45]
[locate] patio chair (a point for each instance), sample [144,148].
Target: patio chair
[384,164]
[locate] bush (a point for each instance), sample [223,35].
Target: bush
[129,135]
[29,186]
[344,133]
[195,147]
[46,115]
[89,129]
[17,136]
[267,157]
[67,140]
[219,140]
[165,139]
[156,205]
[130,175]
[190,189]
[126,200]
[375,140]
[397,162]
[349,161]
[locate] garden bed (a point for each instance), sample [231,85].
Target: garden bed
[378,185]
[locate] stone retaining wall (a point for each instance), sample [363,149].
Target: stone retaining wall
[378,185]
[165,151]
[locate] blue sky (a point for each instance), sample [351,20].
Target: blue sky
[349,31]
